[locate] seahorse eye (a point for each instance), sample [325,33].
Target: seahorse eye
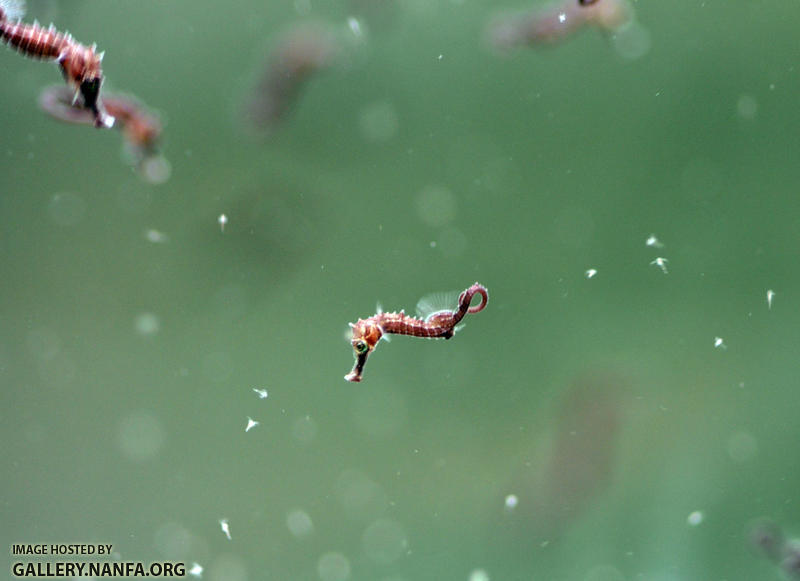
[361,346]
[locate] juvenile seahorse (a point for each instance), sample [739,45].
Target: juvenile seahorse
[441,324]
[79,64]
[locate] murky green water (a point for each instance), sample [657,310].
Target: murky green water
[579,428]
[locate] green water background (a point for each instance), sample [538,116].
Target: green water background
[421,162]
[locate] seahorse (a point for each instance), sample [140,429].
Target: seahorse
[366,333]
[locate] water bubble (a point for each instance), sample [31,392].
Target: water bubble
[333,566]
[511,502]
[747,107]
[478,575]
[384,541]
[156,236]
[146,324]
[436,205]
[378,122]
[66,208]
[299,523]
[632,42]
[360,496]
[742,446]
[140,436]
[155,169]
[228,568]
[173,540]
[694,518]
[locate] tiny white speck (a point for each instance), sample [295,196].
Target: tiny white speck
[770,296]
[590,273]
[156,237]
[251,423]
[511,501]
[562,17]
[719,343]
[479,575]
[653,242]
[262,393]
[433,243]
[355,26]
[695,518]
[222,220]
[440,57]
[223,524]
[660,263]
[196,570]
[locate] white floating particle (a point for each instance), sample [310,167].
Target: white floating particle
[262,393]
[590,273]
[223,524]
[511,501]
[747,107]
[479,575]
[299,523]
[140,435]
[653,242]
[562,17]
[222,220]
[719,343]
[770,296]
[694,518]
[251,423]
[661,263]
[155,169]
[146,324]
[155,236]
[355,27]
[742,446]
[196,570]
[333,566]
[384,541]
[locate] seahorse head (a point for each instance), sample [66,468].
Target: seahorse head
[366,334]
